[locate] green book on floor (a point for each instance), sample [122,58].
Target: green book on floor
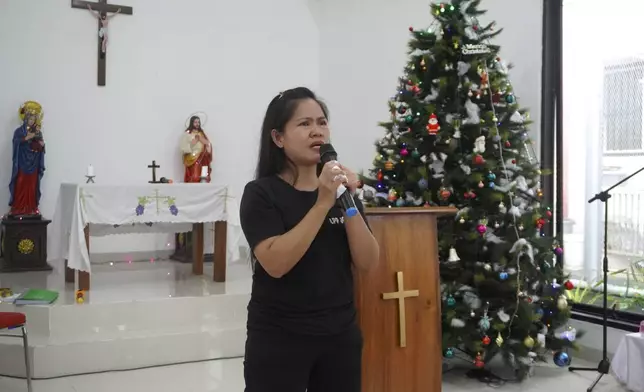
[37,297]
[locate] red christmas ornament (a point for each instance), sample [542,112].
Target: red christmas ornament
[514,161]
[486,340]
[433,127]
[411,29]
[549,214]
[478,159]
[475,27]
[478,362]
[508,144]
[445,194]
[380,176]
[540,222]
[569,285]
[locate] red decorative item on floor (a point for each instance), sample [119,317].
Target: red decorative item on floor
[12,320]
[569,285]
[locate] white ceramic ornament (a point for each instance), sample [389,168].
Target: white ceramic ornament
[453,256]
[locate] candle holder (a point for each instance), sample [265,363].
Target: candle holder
[90,179]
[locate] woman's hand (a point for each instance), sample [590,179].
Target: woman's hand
[352,180]
[330,179]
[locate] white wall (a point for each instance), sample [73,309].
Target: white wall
[168,60]
[363,49]
[225,58]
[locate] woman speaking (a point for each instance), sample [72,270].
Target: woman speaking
[302,329]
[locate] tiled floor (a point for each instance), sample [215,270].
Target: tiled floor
[227,376]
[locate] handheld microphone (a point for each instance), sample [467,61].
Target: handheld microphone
[327,153]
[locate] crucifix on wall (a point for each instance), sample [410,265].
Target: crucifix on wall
[100,10]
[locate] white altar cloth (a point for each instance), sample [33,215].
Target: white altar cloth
[126,209]
[628,362]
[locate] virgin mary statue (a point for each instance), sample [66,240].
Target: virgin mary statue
[28,163]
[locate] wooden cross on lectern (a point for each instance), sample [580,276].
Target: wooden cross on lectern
[400,295]
[101,8]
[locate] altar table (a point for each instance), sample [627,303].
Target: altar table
[85,210]
[628,362]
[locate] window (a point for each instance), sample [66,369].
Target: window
[603,72]
[622,106]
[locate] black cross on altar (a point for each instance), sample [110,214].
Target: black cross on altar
[154,168]
[101,8]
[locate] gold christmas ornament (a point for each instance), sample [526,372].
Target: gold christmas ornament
[528,342]
[562,303]
[499,340]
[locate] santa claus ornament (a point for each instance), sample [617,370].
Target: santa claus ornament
[433,127]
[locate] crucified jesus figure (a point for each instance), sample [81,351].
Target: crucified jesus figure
[103,19]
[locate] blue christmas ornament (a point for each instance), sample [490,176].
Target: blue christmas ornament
[538,314]
[561,359]
[449,353]
[496,138]
[510,98]
[491,185]
[491,176]
[422,184]
[451,301]
[380,187]
[503,275]
[400,202]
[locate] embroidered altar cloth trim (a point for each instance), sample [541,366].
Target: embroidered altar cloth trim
[121,209]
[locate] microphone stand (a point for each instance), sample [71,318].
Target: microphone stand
[604,365]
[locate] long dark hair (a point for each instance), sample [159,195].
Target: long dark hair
[272,159]
[191,125]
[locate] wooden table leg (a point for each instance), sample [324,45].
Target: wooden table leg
[219,262]
[70,273]
[83,277]
[197,248]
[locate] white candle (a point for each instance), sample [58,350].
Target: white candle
[204,171]
[90,171]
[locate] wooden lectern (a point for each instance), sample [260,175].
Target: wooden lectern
[399,303]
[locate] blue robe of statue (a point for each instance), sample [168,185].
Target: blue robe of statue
[27,171]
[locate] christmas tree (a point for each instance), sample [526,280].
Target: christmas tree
[457,137]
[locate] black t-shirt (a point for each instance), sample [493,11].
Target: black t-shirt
[316,296]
